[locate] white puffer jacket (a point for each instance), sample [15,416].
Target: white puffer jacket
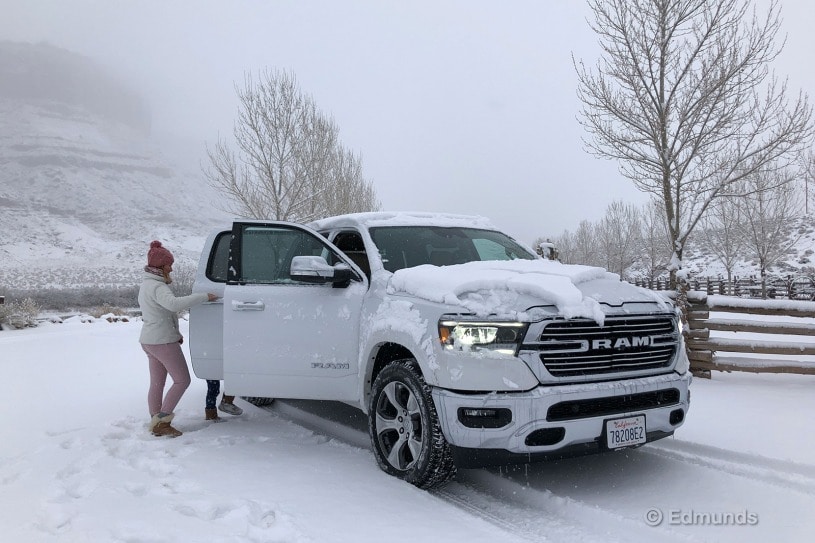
[159,308]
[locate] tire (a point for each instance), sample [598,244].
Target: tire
[258,401]
[404,427]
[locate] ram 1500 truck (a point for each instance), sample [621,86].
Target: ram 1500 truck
[463,347]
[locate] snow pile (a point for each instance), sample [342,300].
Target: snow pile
[412,218]
[493,287]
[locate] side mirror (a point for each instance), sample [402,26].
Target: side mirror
[315,269]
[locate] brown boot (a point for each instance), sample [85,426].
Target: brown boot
[153,422]
[212,414]
[163,428]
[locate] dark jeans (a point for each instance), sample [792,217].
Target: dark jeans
[213,389]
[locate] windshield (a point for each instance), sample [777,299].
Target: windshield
[409,246]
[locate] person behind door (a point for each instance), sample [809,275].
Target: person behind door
[226,405]
[161,340]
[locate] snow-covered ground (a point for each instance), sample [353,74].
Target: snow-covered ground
[77,464]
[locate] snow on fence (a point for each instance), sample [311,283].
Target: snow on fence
[758,327]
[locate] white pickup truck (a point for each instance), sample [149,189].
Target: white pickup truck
[462,346]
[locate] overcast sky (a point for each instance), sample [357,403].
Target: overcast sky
[465,106]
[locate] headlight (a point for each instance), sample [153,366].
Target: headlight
[680,324]
[472,336]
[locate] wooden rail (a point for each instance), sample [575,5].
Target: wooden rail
[801,287]
[708,353]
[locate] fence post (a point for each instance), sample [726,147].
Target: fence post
[697,332]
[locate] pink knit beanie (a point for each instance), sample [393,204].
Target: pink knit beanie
[158,256]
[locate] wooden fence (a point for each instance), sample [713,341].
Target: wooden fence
[799,287]
[708,352]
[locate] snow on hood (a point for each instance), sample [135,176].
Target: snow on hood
[496,287]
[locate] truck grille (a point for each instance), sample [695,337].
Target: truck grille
[581,347]
[598,407]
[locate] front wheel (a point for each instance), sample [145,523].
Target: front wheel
[404,427]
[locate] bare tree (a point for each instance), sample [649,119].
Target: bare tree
[768,210]
[565,247]
[350,192]
[808,171]
[618,235]
[655,243]
[183,277]
[723,232]
[287,162]
[585,248]
[684,99]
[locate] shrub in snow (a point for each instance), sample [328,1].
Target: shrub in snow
[106,311]
[20,314]
[111,317]
[79,319]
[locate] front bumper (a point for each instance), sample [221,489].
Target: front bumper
[531,416]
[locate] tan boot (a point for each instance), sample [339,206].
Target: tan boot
[212,414]
[153,422]
[163,428]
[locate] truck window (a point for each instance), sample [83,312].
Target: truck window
[352,245]
[489,249]
[409,246]
[219,258]
[267,252]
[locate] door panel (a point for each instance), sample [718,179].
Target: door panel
[206,347]
[284,338]
[206,350]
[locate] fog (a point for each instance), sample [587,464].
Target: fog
[465,106]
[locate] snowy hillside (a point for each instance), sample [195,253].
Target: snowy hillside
[801,255]
[83,190]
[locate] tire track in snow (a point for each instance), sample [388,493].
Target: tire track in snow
[785,474]
[524,512]
[605,498]
[458,499]
[541,515]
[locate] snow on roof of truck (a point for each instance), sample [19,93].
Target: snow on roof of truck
[403,218]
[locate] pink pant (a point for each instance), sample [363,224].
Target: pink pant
[166,358]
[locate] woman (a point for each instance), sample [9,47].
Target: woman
[161,339]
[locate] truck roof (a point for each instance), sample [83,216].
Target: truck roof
[403,218]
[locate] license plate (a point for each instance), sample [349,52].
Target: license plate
[625,432]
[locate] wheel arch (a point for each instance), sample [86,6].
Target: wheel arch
[383,354]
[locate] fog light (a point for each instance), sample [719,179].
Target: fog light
[545,436]
[677,416]
[480,417]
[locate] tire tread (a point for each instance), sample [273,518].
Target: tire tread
[440,466]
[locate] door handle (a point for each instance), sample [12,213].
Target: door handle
[247,306]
